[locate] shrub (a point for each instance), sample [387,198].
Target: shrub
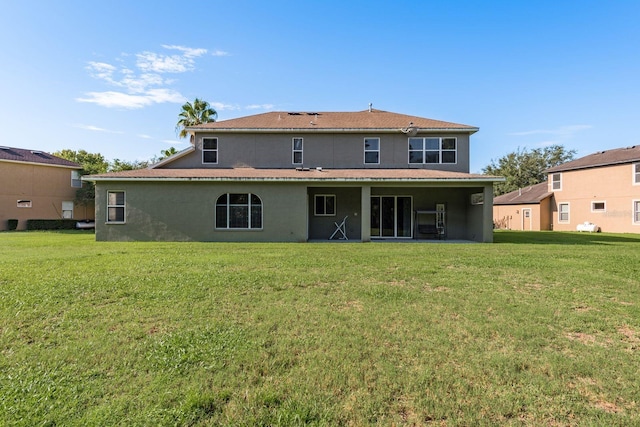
[12,224]
[51,224]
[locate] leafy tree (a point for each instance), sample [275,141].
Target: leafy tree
[193,114]
[92,163]
[118,165]
[523,168]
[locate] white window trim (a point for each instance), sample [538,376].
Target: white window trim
[76,179]
[633,211]
[559,182]
[294,151]
[568,220]
[364,142]
[424,150]
[210,149]
[249,206]
[335,205]
[123,206]
[593,209]
[635,174]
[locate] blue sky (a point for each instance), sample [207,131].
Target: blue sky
[110,77]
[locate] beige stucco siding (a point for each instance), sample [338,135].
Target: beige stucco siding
[327,150]
[612,185]
[46,187]
[512,217]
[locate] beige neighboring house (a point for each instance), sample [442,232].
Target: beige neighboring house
[526,209]
[602,189]
[598,192]
[37,185]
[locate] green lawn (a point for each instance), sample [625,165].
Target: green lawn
[536,329]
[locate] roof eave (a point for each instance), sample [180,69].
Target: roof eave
[41,164]
[329,130]
[91,178]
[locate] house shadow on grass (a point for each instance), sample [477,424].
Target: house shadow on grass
[562,237]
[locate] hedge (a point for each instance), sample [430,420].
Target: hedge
[51,224]
[12,224]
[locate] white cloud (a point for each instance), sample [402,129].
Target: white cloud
[260,107]
[174,141]
[558,136]
[569,131]
[219,53]
[96,129]
[219,106]
[143,83]
[112,99]
[143,136]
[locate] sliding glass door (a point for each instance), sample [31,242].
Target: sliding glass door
[391,216]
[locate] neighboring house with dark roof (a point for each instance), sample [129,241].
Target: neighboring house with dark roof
[296,177]
[36,185]
[526,209]
[601,189]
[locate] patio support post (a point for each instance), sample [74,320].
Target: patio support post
[487,214]
[365,213]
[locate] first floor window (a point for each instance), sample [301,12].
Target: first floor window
[563,212]
[598,206]
[372,150]
[325,205]
[24,204]
[556,181]
[297,151]
[636,211]
[67,210]
[432,150]
[238,211]
[115,206]
[209,150]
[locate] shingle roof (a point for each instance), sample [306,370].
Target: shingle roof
[342,121]
[601,158]
[251,174]
[11,154]
[525,196]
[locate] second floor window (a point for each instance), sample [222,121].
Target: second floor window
[296,151]
[636,173]
[372,150]
[76,181]
[431,150]
[209,150]
[556,181]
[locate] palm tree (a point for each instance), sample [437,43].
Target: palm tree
[168,153]
[194,114]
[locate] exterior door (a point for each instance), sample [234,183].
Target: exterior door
[391,216]
[526,219]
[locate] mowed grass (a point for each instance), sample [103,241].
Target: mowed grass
[536,329]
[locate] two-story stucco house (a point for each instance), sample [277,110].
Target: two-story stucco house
[598,191]
[602,188]
[37,185]
[283,176]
